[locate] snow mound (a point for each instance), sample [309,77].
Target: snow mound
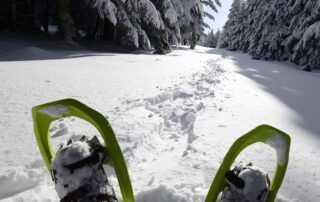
[21,179]
[28,53]
[160,194]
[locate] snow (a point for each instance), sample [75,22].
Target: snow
[56,111]
[28,52]
[16,182]
[279,144]
[168,195]
[174,116]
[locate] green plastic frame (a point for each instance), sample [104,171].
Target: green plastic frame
[42,121]
[260,134]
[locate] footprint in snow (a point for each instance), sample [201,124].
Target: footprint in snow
[179,104]
[60,132]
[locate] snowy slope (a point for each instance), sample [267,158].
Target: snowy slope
[175,117]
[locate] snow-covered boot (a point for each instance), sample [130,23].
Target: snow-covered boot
[246,184]
[78,173]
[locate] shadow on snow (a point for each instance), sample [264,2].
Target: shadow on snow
[297,89]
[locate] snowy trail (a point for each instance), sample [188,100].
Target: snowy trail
[259,92]
[175,117]
[161,136]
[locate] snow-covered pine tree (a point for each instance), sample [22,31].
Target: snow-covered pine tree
[272,29]
[217,36]
[288,30]
[181,21]
[307,51]
[228,37]
[275,30]
[245,28]
[196,23]
[115,12]
[170,12]
[278,32]
[212,39]
[137,22]
[225,36]
[260,24]
[192,20]
[151,21]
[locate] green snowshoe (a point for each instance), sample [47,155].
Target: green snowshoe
[44,115]
[275,138]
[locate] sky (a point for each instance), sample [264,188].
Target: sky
[220,17]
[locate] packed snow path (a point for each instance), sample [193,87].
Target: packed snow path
[175,117]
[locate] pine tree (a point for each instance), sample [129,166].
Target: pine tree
[170,12]
[192,21]
[152,22]
[137,23]
[217,37]
[307,51]
[228,35]
[275,30]
[212,39]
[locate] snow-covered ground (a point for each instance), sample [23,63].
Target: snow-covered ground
[175,117]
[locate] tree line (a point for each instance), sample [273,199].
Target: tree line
[143,24]
[275,30]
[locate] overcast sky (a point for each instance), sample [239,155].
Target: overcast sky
[220,17]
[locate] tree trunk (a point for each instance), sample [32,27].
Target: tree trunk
[66,20]
[46,17]
[194,40]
